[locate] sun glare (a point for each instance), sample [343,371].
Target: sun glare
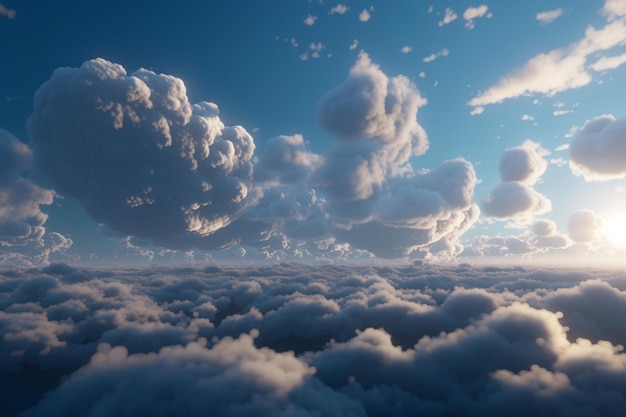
[615,231]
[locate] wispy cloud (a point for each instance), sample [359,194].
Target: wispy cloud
[443,53]
[339,9]
[6,12]
[538,74]
[449,17]
[549,16]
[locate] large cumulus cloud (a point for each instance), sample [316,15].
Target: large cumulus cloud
[375,198]
[598,150]
[456,340]
[138,156]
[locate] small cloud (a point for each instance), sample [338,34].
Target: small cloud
[448,17]
[472,13]
[549,16]
[561,112]
[354,44]
[430,9]
[477,110]
[406,49]
[444,52]
[528,117]
[559,104]
[422,74]
[558,162]
[316,49]
[365,15]
[561,148]
[607,63]
[339,9]
[310,20]
[6,12]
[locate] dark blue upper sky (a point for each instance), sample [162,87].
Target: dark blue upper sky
[506,87]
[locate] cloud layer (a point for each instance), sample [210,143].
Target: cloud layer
[293,339]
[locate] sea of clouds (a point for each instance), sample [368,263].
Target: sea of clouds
[297,340]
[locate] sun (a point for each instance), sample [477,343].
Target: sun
[615,231]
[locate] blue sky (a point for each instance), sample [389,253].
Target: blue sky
[500,88]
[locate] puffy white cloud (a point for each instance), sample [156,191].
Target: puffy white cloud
[598,149]
[584,226]
[523,163]
[472,13]
[555,71]
[371,105]
[406,49]
[138,156]
[286,158]
[520,167]
[372,191]
[549,16]
[515,200]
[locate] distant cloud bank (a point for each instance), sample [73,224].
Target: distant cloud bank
[294,339]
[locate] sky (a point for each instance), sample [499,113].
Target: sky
[229,207]
[244,131]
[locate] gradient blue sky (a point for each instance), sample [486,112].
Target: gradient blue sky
[518,79]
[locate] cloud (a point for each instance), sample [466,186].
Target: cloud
[354,45]
[23,237]
[365,15]
[613,9]
[555,71]
[443,53]
[514,200]
[371,189]
[584,226]
[406,49]
[523,163]
[310,20]
[597,150]
[371,105]
[6,12]
[608,63]
[182,341]
[472,13]
[549,16]
[449,17]
[520,167]
[139,157]
[339,9]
